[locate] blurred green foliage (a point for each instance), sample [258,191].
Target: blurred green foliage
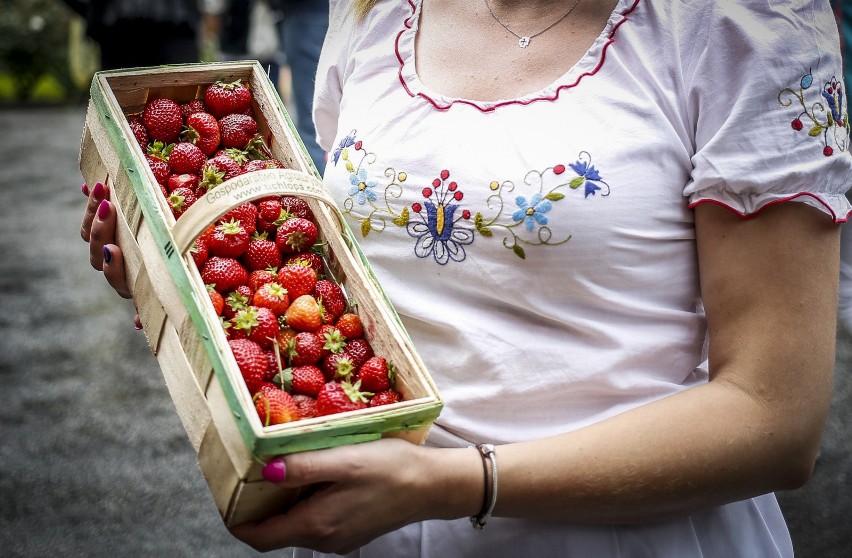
[34,51]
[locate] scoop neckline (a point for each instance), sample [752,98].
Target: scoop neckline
[587,65]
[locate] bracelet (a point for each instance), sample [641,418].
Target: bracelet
[489,463]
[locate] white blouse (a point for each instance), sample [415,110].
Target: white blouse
[541,250]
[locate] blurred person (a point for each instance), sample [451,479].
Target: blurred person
[236,29]
[133,33]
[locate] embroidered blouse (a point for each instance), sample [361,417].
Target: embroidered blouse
[541,250]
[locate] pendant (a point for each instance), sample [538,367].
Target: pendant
[523,42]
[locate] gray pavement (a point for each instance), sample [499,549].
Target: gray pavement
[93,458]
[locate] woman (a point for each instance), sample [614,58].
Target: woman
[610,228]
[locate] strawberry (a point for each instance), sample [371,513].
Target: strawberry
[139,132]
[307,405]
[359,351]
[302,380]
[272,296]
[296,235]
[225,273]
[339,397]
[229,239]
[159,168]
[297,207]
[385,398]
[162,119]
[269,209]
[186,157]
[331,298]
[376,374]
[182,181]
[246,214]
[297,279]
[216,299]
[285,335]
[189,108]
[350,326]
[306,348]
[234,302]
[237,130]
[303,314]
[261,253]
[262,164]
[223,98]
[200,252]
[202,129]
[333,341]
[257,324]
[181,199]
[275,406]
[251,362]
[311,259]
[337,366]
[217,170]
[260,277]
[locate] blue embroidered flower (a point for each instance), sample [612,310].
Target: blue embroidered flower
[438,235]
[362,189]
[832,92]
[532,212]
[588,175]
[344,143]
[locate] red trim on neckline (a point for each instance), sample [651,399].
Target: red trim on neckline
[477,105]
[739,213]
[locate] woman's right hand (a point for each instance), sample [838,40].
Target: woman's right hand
[98,229]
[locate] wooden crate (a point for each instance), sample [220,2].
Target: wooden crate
[180,324]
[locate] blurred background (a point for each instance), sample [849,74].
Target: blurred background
[93,458]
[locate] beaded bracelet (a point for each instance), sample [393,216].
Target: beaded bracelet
[489,463]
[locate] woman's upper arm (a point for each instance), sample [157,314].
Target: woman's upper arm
[769,285]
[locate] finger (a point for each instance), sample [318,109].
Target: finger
[102,232]
[99,192]
[113,266]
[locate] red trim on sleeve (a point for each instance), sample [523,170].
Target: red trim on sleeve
[739,213]
[490,108]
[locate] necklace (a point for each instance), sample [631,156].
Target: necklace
[525,40]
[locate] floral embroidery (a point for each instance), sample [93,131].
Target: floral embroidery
[828,118]
[519,214]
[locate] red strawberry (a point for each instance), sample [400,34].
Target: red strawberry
[246,214]
[225,273]
[337,366]
[234,302]
[303,380]
[333,341]
[272,296]
[350,326]
[139,132]
[376,374]
[216,299]
[385,398]
[297,279]
[202,129]
[269,209]
[257,324]
[260,277]
[262,164]
[186,157]
[261,253]
[297,207]
[251,362]
[223,98]
[160,168]
[237,130]
[296,235]
[200,252]
[229,239]
[162,119]
[339,397]
[182,181]
[217,170]
[359,351]
[191,107]
[275,406]
[307,405]
[311,259]
[181,199]
[331,298]
[306,348]
[303,314]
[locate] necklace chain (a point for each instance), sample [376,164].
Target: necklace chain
[525,40]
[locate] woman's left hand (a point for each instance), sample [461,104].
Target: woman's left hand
[364,490]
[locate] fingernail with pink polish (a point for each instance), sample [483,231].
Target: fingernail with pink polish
[98,191]
[85,189]
[103,210]
[275,471]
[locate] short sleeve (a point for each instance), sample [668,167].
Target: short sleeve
[769,108]
[331,67]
